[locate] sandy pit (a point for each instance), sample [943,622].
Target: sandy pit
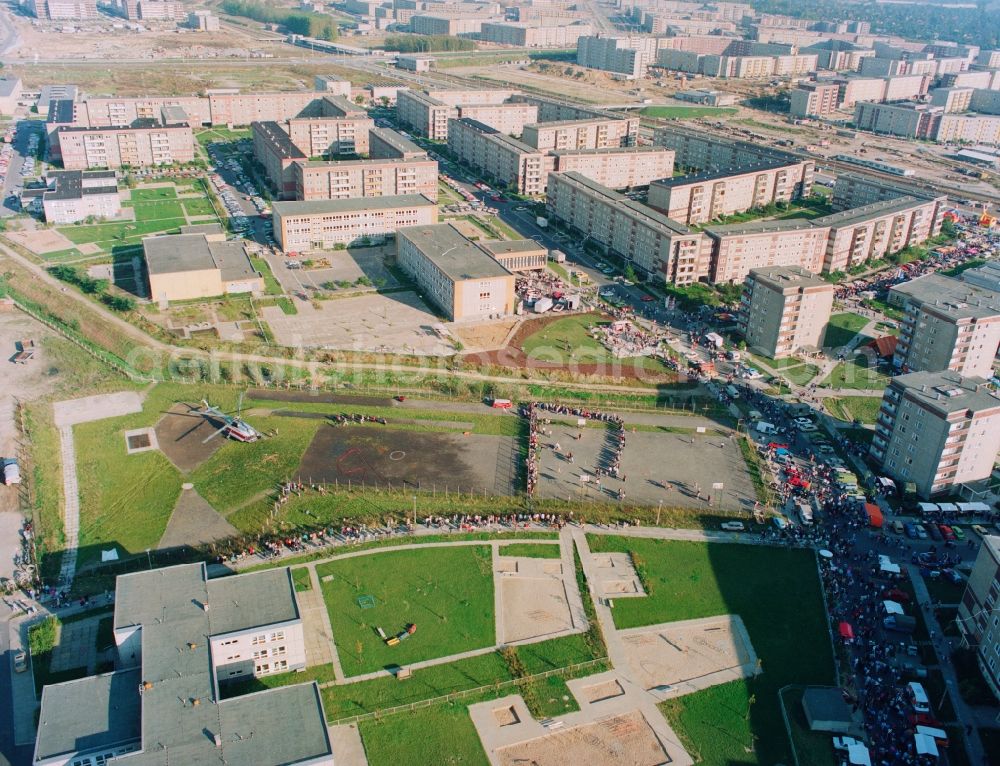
[616,577]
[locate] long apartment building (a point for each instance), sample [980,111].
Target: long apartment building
[427,113]
[731,251]
[855,190]
[948,324]
[979,611]
[867,233]
[626,56]
[142,144]
[657,246]
[618,167]
[456,274]
[365,178]
[524,34]
[581,134]
[937,430]
[56,10]
[325,224]
[784,310]
[703,197]
[180,638]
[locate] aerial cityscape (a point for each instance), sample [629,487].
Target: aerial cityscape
[333,332]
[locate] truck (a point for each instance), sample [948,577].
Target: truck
[541,222]
[900,623]
[542,305]
[764,427]
[557,256]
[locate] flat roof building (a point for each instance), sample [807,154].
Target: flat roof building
[179,636]
[498,157]
[427,112]
[618,167]
[580,134]
[460,277]
[10,94]
[979,611]
[784,310]
[814,99]
[948,324]
[364,178]
[655,245]
[325,224]
[72,196]
[142,144]
[186,266]
[731,251]
[705,196]
[937,430]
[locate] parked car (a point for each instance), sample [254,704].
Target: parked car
[921,532]
[733,526]
[959,533]
[20,662]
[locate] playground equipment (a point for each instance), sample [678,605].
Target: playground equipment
[404,634]
[234,427]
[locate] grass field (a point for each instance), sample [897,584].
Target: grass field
[442,734]
[197,207]
[446,592]
[157,211]
[685,112]
[300,578]
[842,329]
[856,374]
[851,408]
[530,550]
[777,594]
[154,194]
[568,341]
[800,374]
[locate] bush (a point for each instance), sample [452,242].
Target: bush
[118,302]
[297,22]
[42,637]
[73,276]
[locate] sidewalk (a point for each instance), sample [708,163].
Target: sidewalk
[942,646]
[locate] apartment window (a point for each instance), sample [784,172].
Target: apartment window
[278,635]
[257,640]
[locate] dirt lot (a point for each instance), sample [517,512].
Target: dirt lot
[622,739]
[533,596]
[181,433]
[428,461]
[484,336]
[194,522]
[40,241]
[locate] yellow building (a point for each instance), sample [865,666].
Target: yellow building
[189,266]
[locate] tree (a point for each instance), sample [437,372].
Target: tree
[630,274]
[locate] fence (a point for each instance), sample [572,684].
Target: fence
[495,687]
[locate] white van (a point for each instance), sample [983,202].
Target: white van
[806,514]
[764,427]
[918,697]
[733,392]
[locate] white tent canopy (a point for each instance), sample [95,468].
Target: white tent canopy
[973,508]
[948,507]
[925,744]
[927,507]
[892,607]
[857,755]
[885,565]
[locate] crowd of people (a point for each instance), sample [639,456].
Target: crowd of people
[625,340]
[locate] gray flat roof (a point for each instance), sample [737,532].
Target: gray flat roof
[61,111]
[176,253]
[317,207]
[247,601]
[623,202]
[279,139]
[497,136]
[788,276]
[950,297]
[758,227]
[860,214]
[69,184]
[363,162]
[498,247]
[90,713]
[611,150]
[717,173]
[946,392]
[397,141]
[569,123]
[456,256]
[8,86]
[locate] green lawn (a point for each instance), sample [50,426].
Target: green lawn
[800,374]
[301,580]
[152,195]
[109,234]
[855,374]
[777,594]
[446,592]
[442,734]
[194,207]
[863,408]
[685,112]
[271,284]
[842,329]
[530,550]
[157,211]
[568,341]
[811,747]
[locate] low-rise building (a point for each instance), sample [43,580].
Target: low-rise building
[71,196]
[179,637]
[462,279]
[948,324]
[707,97]
[325,224]
[731,251]
[658,247]
[705,196]
[141,144]
[186,266]
[937,430]
[337,86]
[415,63]
[784,310]
[979,611]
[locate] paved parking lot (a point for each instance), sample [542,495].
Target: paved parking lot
[345,266]
[400,322]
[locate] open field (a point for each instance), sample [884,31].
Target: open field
[686,112]
[530,550]
[446,592]
[568,341]
[842,329]
[851,408]
[776,593]
[855,373]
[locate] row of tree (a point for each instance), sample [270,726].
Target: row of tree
[316,25]
[427,43]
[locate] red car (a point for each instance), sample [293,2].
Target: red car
[946,532]
[924,719]
[647,299]
[895,594]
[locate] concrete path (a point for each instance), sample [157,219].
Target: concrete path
[67,414]
[346,744]
[316,627]
[942,646]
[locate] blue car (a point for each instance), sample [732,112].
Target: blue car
[911,529]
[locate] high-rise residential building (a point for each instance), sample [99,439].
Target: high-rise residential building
[949,324]
[144,143]
[979,612]
[814,99]
[64,9]
[427,113]
[784,310]
[628,57]
[579,134]
[732,250]
[937,430]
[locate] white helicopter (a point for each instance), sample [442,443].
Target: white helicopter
[235,427]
